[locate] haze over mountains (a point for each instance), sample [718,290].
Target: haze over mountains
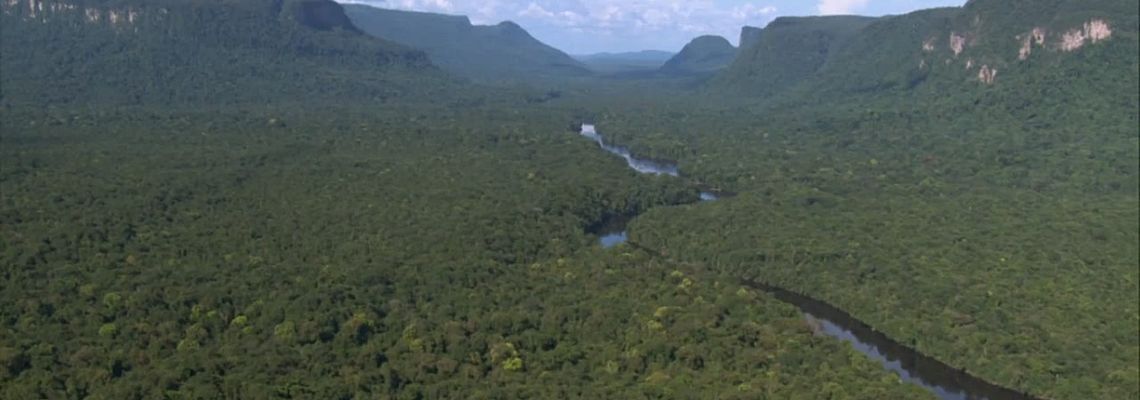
[499,52]
[626,61]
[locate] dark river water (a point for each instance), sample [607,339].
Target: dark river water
[911,366]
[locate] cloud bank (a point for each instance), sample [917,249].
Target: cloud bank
[837,7]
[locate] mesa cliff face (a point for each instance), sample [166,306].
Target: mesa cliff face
[786,52]
[499,52]
[984,43]
[195,52]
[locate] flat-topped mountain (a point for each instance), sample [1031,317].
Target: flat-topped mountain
[787,51]
[705,54]
[197,52]
[1015,47]
[496,52]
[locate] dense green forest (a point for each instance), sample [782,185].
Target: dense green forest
[257,199]
[992,226]
[410,253]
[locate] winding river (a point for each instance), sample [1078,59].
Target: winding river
[613,232]
[944,381]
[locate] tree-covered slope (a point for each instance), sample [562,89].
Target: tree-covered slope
[965,180]
[787,51]
[1008,51]
[499,52]
[705,54]
[61,52]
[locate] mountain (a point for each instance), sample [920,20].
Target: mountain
[749,35]
[787,51]
[625,62]
[198,52]
[705,54]
[1014,52]
[499,52]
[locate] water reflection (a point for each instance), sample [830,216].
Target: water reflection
[944,381]
[613,239]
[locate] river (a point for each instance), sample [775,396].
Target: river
[944,381]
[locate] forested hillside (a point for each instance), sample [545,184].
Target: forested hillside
[499,52]
[787,51]
[984,49]
[703,55]
[169,52]
[965,180]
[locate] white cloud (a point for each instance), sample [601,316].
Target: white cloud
[535,11]
[834,7]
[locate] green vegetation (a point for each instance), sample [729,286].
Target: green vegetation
[787,51]
[403,254]
[703,55]
[254,199]
[749,36]
[991,226]
[502,52]
[199,52]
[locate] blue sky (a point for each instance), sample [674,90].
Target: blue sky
[590,26]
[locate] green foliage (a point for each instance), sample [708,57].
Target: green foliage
[703,55]
[789,50]
[377,254]
[993,228]
[197,52]
[292,209]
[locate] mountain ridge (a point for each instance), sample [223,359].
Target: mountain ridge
[199,52]
[504,51]
[702,55]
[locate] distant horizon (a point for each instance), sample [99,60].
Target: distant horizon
[586,27]
[622,52]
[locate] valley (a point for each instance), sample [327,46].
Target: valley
[308,199]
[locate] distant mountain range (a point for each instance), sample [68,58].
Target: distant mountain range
[497,52]
[626,61]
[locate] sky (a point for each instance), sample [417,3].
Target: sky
[593,26]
